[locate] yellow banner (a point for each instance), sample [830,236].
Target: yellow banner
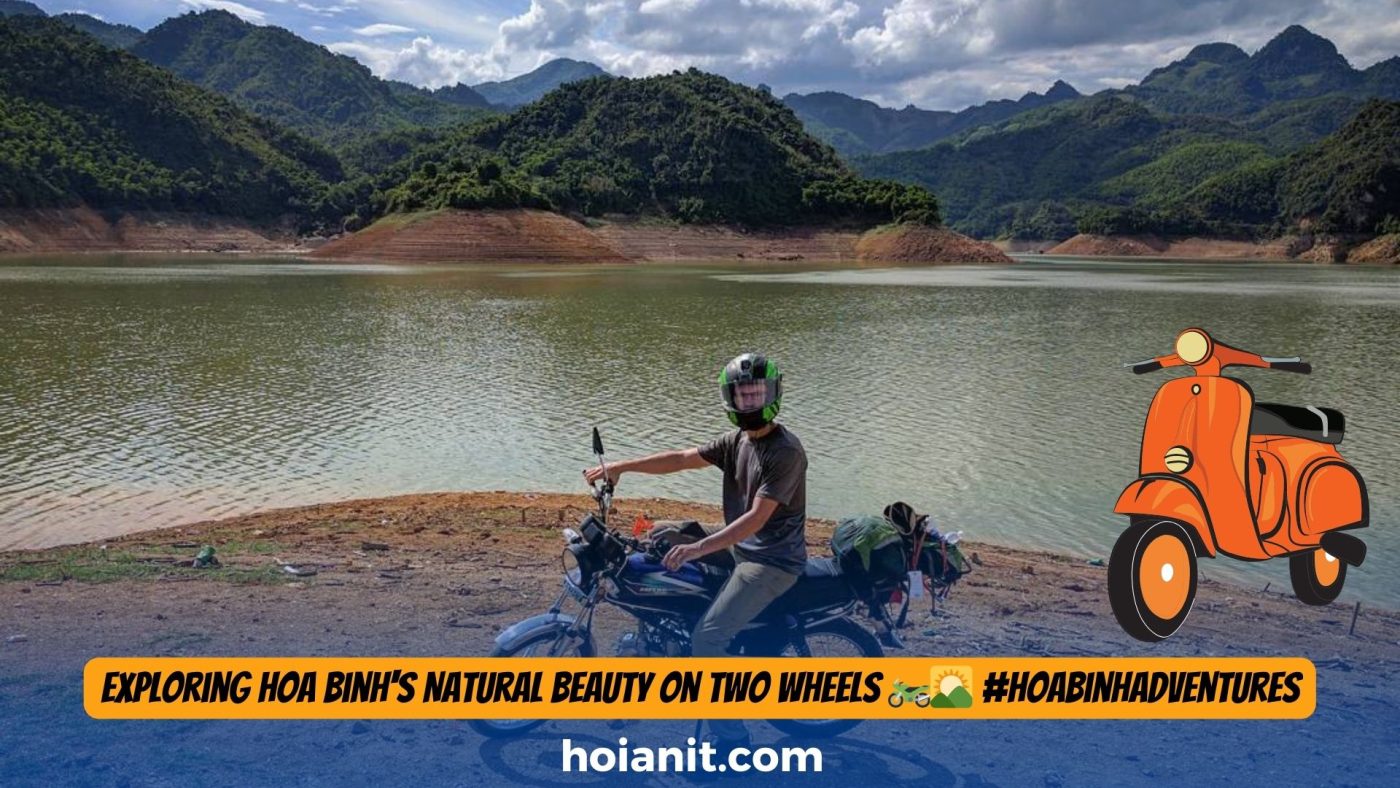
[902,688]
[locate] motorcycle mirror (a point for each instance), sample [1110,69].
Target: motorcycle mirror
[597,442]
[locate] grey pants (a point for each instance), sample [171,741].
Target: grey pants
[744,595]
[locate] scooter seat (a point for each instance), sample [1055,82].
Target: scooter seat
[1324,425]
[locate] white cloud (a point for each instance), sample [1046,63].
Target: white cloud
[422,62]
[246,13]
[382,29]
[548,24]
[323,10]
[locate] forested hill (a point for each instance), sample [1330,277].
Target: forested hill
[688,146]
[81,123]
[855,126]
[276,74]
[1111,166]
[1189,150]
[113,35]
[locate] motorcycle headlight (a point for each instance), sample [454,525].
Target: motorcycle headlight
[578,569]
[1193,346]
[1178,459]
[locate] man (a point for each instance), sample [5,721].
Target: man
[765,508]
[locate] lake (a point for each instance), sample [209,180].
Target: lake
[145,392]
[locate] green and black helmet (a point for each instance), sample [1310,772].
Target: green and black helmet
[752,388]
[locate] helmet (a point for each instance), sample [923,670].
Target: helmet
[752,388]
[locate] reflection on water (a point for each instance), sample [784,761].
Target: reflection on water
[146,393]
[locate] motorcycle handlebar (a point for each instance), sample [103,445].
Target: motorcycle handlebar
[1290,365]
[1241,359]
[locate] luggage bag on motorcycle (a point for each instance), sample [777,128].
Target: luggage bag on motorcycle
[941,559]
[871,553]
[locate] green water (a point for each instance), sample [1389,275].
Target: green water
[137,393]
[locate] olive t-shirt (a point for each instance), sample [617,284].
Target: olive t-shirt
[775,467]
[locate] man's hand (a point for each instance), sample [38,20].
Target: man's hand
[593,473]
[681,553]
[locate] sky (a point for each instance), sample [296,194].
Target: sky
[936,54]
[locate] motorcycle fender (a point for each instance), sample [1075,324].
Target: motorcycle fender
[1169,498]
[521,631]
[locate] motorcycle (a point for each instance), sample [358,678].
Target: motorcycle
[603,566]
[903,693]
[1223,474]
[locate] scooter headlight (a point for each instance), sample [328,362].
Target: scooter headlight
[1178,459]
[1193,346]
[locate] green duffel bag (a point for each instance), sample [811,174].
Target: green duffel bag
[871,552]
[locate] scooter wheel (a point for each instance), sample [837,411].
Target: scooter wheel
[1152,579]
[1317,576]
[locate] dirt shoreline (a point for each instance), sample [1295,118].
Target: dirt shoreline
[485,236]
[500,551]
[531,236]
[1322,249]
[442,574]
[539,236]
[84,230]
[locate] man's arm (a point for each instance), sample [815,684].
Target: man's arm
[747,525]
[661,462]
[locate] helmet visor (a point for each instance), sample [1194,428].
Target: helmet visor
[750,396]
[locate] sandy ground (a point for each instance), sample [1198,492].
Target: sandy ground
[442,574]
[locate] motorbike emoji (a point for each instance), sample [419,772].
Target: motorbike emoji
[903,693]
[1222,474]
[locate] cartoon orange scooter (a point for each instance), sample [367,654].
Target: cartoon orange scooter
[1221,473]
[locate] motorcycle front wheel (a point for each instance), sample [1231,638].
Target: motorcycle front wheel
[546,644]
[839,637]
[1152,579]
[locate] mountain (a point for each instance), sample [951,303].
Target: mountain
[691,146]
[1217,79]
[989,178]
[1297,64]
[532,86]
[81,123]
[855,126]
[462,95]
[274,73]
[20,8]
[116,36]
[113,35]
[1138,152]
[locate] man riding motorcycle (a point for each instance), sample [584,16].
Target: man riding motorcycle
[765,508]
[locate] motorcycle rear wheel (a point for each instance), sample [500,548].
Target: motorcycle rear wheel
[534,647]
[1317,576]
[840,637]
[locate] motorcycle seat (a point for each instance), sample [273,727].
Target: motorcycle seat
[820,585]
[1324,425]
